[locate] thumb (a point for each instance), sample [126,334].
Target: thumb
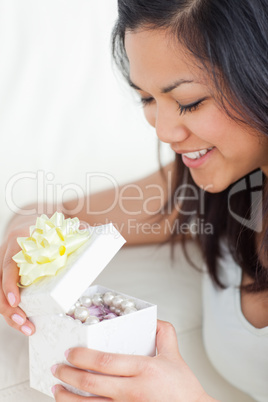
[166,338]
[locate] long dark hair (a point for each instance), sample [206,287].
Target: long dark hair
[230,39]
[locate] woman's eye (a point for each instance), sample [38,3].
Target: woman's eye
[191,107]
[146,101]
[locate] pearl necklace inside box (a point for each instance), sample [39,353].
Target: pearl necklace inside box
[49,301]
[99,307]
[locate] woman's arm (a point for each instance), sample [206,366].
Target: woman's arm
[133,208]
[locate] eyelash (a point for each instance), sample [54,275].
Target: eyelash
[192,107]
[181,108]
[146,101]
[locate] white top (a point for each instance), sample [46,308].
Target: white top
[237,349]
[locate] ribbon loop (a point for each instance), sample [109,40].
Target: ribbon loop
[50,243]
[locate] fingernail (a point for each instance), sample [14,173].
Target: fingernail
[54,368]
[26,330]
[66,353]
[53,389]
[18,319]
[11,298]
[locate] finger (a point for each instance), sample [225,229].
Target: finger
[106,363]
[94,383]
[62,395]
[10,277]
[2,253]
[27,328]
[166,339]
[15,316]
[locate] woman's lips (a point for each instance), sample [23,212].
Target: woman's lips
[197,158]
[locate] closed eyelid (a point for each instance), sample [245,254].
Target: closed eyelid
[190,107]
[146,101]
[146,96]
[192,104]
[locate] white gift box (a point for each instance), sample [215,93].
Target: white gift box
[128,334]
[47,300]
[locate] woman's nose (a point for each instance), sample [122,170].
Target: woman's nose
[169,126]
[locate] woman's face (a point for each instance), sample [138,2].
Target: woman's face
[178,101]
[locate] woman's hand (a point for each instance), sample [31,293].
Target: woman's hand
[9,277]
[165,377]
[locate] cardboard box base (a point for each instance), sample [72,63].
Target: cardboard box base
[128,334]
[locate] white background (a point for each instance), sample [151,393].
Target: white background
[64,110]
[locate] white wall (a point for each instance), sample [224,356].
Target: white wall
[63,110]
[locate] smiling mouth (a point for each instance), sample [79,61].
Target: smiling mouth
[197,154]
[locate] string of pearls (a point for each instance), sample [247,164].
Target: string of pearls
[99,307]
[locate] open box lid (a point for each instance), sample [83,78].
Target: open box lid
[56,294]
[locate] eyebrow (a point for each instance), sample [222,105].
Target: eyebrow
[167,89]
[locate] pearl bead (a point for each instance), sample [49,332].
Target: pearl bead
[77,304]
[109,316]
[108,298]
[130,310]
[117,311]
[71,310]
[127,303]
[86,301]
[117,300]
[97,299]
[81,313]
[70,318]
[112,309]
[78,322]
[92,320]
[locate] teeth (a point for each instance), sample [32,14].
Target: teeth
[197,154]
[192,155]
[203,152]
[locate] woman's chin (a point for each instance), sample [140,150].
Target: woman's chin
[211,186]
